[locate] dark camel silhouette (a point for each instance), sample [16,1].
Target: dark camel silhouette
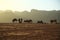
[40,22]
[14,20]
[53,21]
[28,21]
[20,20]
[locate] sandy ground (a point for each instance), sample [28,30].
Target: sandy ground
[29,31]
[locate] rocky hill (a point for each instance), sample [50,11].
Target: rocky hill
[35,15]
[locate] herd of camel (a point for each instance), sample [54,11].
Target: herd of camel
[20,20]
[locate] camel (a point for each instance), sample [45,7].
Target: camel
[14,20]
[20,20]
[40,22]
[28,21]
[53,21]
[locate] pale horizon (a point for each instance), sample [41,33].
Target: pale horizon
[21,5]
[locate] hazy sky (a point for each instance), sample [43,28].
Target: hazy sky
[21,5]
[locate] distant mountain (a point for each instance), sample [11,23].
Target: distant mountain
[35,15]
